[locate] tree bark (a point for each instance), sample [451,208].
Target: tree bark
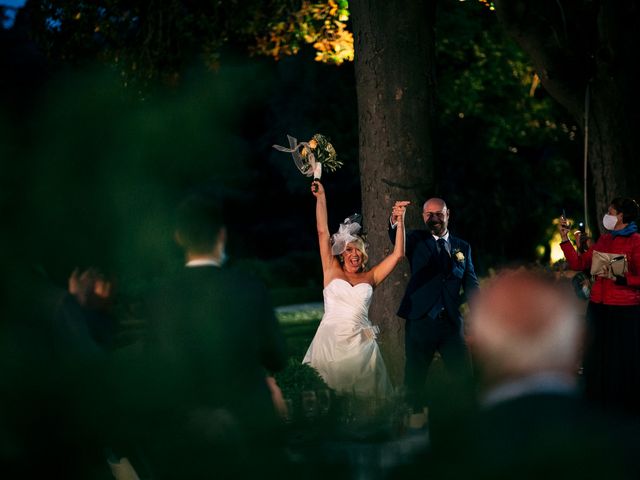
[395,83]
[579,43]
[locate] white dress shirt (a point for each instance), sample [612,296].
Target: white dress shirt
[445,237]
[537,383]
[202,262]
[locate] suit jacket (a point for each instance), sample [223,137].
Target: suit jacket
[212,337]
[428,281]
[202,402]
[546,435]
[530,437]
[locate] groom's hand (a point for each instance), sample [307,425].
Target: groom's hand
[398,212]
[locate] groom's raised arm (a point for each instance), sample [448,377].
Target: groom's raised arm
[411,237]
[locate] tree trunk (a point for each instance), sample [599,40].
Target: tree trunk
[577,44]
[394,66]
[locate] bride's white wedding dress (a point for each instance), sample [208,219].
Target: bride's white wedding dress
[344,350]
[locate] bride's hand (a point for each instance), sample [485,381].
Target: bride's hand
[317,189]
[399,210]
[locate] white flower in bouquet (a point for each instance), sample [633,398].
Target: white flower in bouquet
[312,156]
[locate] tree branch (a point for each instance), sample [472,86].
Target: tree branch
[557,35]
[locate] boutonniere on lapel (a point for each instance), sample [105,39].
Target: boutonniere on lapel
[458,255]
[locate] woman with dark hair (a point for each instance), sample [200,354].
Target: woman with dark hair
[612,353]
[344,350]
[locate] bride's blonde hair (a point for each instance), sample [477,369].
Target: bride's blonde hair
[360,244]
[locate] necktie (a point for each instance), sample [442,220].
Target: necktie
[444,264]
[443,256]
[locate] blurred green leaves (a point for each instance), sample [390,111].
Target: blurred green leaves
[146,42]
[105,170]
[508,155]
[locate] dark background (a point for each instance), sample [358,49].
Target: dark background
[92,167]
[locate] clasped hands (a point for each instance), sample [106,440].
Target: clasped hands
[90,288]
[398,212]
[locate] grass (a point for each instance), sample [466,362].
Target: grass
[299,326]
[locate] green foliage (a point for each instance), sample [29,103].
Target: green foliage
[506,154]
[482,71]
[509,158]
[102,174]
[320,24]
[298,377]
[146,41]
[326,154]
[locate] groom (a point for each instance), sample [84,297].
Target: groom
[440,266]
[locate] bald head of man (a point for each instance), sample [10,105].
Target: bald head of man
[523,323]
[436,216]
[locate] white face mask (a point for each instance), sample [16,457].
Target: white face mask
[609,221]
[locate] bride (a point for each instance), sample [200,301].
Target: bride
[344,349]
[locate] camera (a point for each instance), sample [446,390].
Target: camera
[584,238]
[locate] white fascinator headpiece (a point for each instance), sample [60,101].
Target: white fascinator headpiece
[346,234]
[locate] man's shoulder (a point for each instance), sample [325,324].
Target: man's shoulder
[419,234]
[462,243]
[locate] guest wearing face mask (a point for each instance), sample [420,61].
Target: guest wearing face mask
[612,350]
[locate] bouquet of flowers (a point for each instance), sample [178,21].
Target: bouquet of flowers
[312,156]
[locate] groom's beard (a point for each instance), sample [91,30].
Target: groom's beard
[436,227]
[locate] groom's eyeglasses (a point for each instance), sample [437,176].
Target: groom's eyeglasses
[440,215]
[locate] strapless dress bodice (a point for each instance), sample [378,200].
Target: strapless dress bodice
[343,300]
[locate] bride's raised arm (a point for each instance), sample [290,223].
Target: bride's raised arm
[322,225]
[386,266]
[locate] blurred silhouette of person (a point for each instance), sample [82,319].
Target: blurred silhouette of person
[54,407]
[213,337]
[83,322]
[612,354]
[441,266]
[526,337]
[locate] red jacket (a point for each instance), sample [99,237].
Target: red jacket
[605,290]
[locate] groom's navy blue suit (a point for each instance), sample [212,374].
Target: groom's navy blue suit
[431,305]
[430,282]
